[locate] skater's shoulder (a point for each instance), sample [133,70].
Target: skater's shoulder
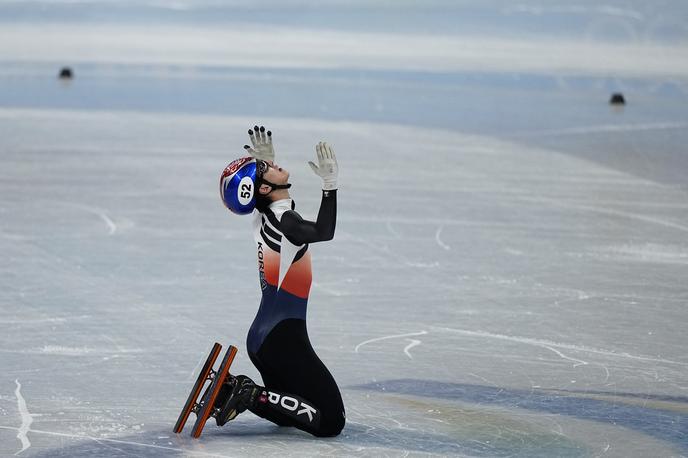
[280,207]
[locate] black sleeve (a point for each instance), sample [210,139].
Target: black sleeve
[300,231]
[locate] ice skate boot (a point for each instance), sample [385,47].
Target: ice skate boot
[236,395]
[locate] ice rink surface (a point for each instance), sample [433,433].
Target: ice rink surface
[508,276]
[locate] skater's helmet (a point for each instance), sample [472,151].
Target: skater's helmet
[238,184]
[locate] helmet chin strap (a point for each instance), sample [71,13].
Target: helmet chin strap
[276,186]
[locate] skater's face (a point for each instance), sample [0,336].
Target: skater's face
[274,174]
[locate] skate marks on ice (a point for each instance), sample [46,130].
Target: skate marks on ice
[96,446]
[413,342]
[600,373]
[510,211]
[451,419]
[452,428]
[439,241]
[666,420]
[366,434]
[635,217]
[548,344]
[26,419]
[552,346]
[102,214]
[87,446]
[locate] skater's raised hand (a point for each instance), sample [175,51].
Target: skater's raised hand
[262,144]
[327,167]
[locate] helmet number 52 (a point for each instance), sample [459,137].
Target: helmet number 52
[245,191]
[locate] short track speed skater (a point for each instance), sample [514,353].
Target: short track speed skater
[213,380]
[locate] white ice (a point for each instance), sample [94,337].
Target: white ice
[121,267]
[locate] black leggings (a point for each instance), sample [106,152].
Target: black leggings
[301,392]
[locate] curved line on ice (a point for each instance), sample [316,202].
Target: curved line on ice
[377,339]
[26,417]
[413,343]
[609,211]
[647,219]
[112,227]
[439,241]
[579,362]
[548,343]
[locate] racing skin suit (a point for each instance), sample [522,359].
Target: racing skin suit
[299,389]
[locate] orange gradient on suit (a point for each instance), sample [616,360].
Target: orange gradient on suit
[298,279]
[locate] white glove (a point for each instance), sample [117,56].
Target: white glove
[262,144]
[327,167]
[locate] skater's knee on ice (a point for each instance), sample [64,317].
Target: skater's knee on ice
[331,427]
